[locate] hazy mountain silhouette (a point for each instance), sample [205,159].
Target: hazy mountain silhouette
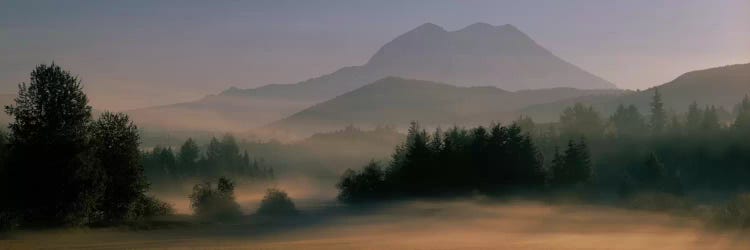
[478,55]
[721,86]
[397,101]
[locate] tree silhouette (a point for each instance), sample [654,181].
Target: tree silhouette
[115,146]
[694,118]
[51,116]
[628,121]
[658,114]
[581,120]
[573,167]
[187,158]
[742,122]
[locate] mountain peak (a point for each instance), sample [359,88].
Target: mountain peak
[478,27]
[428,27]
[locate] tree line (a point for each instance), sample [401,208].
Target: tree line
[219,158]
[625,154]
[497,159]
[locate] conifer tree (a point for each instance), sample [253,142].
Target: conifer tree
[742,122]
[658,114]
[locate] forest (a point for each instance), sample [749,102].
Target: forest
[695,155]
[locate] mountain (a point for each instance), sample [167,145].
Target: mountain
[397,101]
[721,86]
[477,55]
[480,54]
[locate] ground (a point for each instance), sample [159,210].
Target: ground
[465,224]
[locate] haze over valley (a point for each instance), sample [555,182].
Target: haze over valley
[375,124]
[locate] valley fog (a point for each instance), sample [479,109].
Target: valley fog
[414,124]
[455,224]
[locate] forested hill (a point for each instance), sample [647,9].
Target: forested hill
[397,101]
[721,86]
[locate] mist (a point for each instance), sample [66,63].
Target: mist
[467,224]
[375,124]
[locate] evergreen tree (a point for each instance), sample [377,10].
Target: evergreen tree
[658,114]
[557,169]
[628,121]
[710,120]
[574,167]
[742,122]
[653,176]
[526,124]
[187,158]
[581,120]
[51,116]
[694,118]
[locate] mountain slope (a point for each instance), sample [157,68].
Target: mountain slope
[397,101]
[721,86]
[478,55]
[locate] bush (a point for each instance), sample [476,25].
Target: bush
[215,203]
[149,206]
[736,213]
[367,185]
[276,202]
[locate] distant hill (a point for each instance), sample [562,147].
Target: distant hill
[722,86]
[397,101]
[477,55]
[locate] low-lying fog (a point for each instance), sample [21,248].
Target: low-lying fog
[472,223]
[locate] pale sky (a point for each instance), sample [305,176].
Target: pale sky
[139,53]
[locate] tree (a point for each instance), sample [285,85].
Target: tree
[653,176]
[694,118]
[115,143]
[628,121]
[367,185]
[51,178]
[187,158]
[581,120]
[215,202]
[710,120]
[574,167]
[658,114]
[276,203]
[526,124]
[742,122]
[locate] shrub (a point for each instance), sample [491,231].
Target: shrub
[215,203]
[366,185]
[276,202]
[736,213]
[149,206]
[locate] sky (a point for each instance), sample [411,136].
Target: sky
[139,53]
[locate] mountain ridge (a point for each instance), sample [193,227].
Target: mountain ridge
[397,101]
[477,55]
[722,86]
